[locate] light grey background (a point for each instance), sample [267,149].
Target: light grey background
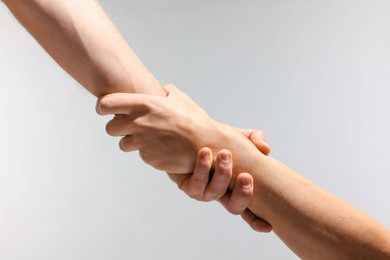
[313,74]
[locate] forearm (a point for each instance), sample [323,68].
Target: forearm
[168,132]
[84,42]
[312,222]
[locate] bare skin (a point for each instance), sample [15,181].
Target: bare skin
[83,41]
[80,37]
[309,220]
[199,186]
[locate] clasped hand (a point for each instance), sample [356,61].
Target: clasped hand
[170,134]
[165,130]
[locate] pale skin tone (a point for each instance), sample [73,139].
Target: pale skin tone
[80,37]
[312,222]
[198,185]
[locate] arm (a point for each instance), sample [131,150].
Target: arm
[80,37]
[201,186]
[312,222]
[83,41]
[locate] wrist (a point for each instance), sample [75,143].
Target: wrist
[246,156]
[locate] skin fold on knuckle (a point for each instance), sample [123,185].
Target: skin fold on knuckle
[181,183]
[110,128]
[126,144]
[194,194]
[199,180]
[202,169]
[104,105]
[122,145]
[224,169]
[196,189]
[233,209]
[258,226]
[214,194]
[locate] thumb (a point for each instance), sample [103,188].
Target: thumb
[258,138]
[170,89]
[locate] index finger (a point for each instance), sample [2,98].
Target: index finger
[121,103]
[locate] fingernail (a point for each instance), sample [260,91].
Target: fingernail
[225,157]
[205,154]
[246,182]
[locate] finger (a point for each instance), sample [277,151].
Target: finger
[225,199]
[256,223]
[128,144]
[248,132]
[174,92]
[170,89]
[196,185]
[178,178]
[242,194]
[120,116]
[258,138]
[120,126]
[123,103]
[219,184]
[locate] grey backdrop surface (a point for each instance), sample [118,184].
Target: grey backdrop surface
[313,74]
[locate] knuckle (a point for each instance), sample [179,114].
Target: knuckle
[224,168]
[260,134]
[212,196]
[147,106]
[199,182]
[169,86]
[208,199]
[234,211]
[181,186]
[109,130]
[216,193]
[180,183]
[104,105]
[127,144]
[257,226]
[198,179]
[194,196]
[144,156]
[122,145]
[139,122]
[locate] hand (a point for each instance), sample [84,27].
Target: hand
[159,127]
[199,186]
[168,131]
